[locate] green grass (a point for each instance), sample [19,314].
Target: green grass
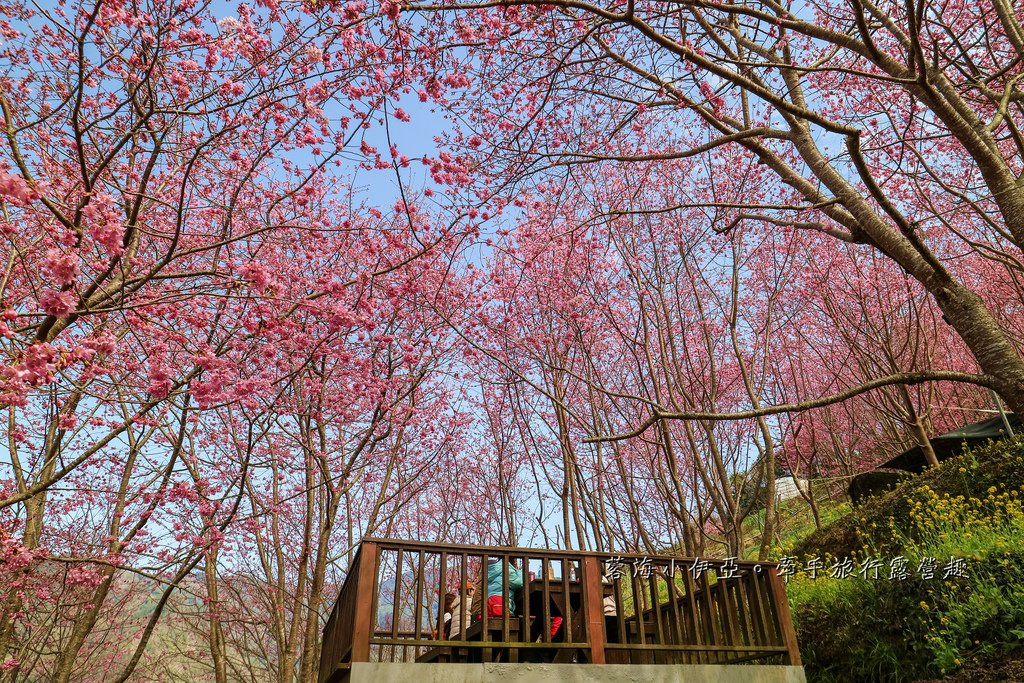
[999,464]
[857,629]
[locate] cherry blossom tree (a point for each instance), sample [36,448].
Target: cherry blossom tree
[676,246]
[182,249]
[865,126]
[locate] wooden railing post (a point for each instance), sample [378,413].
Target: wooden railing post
[593,603]
[777,589]
[362,627]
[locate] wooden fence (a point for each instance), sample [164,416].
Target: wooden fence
[553,606]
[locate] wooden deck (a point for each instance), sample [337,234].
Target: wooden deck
[614,608]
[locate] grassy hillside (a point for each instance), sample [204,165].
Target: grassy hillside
[999,465]
[965,517]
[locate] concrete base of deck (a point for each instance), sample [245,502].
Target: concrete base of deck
[573,673]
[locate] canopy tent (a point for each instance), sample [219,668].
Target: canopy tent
[947,445]
[952,443]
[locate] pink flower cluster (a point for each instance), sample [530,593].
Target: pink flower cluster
[257,274]
[15,190]
[59,304]
[82,575]
[105,224]
[14,556]
[63,268]
[37,365]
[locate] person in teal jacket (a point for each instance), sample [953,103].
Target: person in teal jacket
[494,581]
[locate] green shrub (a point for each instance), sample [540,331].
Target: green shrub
[999,464]
[857,629]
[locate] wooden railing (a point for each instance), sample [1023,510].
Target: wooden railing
[568,607]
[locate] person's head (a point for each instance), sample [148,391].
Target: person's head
[512,562]
[449,601]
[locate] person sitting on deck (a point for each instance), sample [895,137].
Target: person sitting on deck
[460,612]
[449,610]
[496,593]
[611,613]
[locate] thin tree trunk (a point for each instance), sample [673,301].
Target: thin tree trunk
[215,636]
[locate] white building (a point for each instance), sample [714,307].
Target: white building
[789,487]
